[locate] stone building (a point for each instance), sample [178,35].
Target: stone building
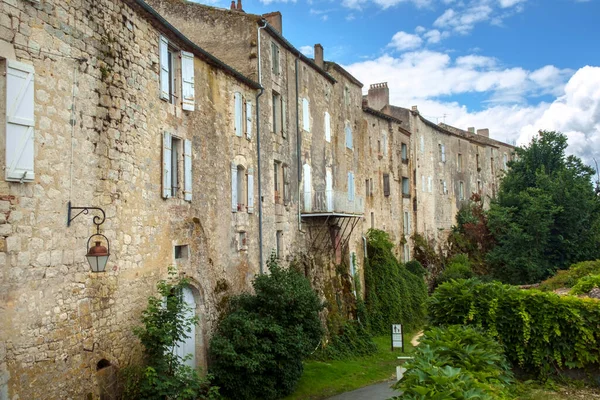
[210,142]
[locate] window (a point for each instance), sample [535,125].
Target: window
[242,115]
[305,115]
[405,187]
[242,188]
[348,130]
[172,157]
[307,182]
[181,252]
[327,127]
[404,153]
[20,122]
[350,186]
[279,244]
[386,184]
[461,191]
[286,183]
[477,162]
[442,152]
[459,162]
[169,89]
[406,223]
[278,182]
[276,113]
[275,58]
[367,188]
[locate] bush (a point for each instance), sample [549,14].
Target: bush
[456,363]
[415,268]
[586,284]
[568,278]
[258,347]
[353,340]
[539,330]
[166,322]
[458,267]
[392,294]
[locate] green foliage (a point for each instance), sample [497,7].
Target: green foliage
[458,267]
[415,267]
[568,278]
[392,293]
[166,322]
[258,347]
[456,362]
[586,284]
[539,330]
[546,215]
[353,340]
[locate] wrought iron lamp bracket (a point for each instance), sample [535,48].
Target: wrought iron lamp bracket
[97,220]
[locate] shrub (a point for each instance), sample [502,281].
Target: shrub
[392,293]
[352,340]
[586,284]
[258,347]
[539,330]
[568,278]
[456,363]
[415,267]
[458,267]
[166,322]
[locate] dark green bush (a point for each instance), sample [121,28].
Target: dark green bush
[458,267]
[456,362]
[415,267]
[353,340]
[539,330]
[568,278]
[258,347]
[392,293]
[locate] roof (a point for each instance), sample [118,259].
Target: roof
[283,41]
[379,114]
[347,75]
[197,50]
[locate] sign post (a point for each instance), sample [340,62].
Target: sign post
[397,337]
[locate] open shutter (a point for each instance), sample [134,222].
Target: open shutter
[237,98]
[20,122]
[166,169]
[283,118]
[187,164]
[249,119]
[305,115]
[327,127]
[286,185]
[234,202]
[164,67]
[250,190]
[187,80]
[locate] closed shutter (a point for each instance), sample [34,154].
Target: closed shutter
[283,119]
[187,176]
[286,185]
[327,127]
[250,190]
[249,119]
[305,115]
[234,202]
[237,99]
[386,184]
[166,169]
[348,130]
[164,68]
[187,80]
[20,122]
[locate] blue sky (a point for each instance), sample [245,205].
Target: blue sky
[513,66]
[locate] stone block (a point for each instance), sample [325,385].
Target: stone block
[13,243]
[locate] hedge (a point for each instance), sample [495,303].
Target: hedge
[539,330]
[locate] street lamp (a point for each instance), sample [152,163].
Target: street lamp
[97,255]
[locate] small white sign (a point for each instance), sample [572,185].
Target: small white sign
[397,338]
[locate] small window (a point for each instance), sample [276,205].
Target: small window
[181,252]
[459,162]
[277,182]
[279,244]
[275,57]
[477,162]
[386,184]
[461,191]
[442,152]
[404,153]
[367,188]
[405,187]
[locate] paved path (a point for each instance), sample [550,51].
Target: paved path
[380,391]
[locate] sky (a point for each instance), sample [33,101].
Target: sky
[513,66]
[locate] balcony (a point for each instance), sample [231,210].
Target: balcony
[330,202]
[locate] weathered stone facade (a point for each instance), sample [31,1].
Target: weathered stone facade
[329,164]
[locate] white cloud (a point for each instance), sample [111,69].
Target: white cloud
[510,3]
[405,41]
[359,4]
[434,36]
[464,21]
[308,51]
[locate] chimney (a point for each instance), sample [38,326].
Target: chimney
[484,132]
[319,55]
[471,129]
[415,109]
[232,5]
[378,96]
[239,5]
[274,19]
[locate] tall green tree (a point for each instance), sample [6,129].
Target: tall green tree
[546,215]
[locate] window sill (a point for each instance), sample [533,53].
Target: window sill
[405,196]
[405,161]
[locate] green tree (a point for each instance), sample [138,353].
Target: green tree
[546,215]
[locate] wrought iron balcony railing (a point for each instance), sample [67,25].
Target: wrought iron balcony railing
[331,201]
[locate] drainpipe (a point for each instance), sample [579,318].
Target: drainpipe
[298,150]
[260,197]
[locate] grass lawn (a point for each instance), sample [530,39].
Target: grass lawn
[324,379]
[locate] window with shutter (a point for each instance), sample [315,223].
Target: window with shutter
[305,115]
[175,158]
[237,103]
[20,122]
[187,81]
[327,127]
[286,184]
[234,189]
[404,152]
[165,71]
[386,184]
[250,190]
[329,189]
[443,153]
[405,187]
[275,58]
[249,119]
[167,165]
[187,174]
[307,181]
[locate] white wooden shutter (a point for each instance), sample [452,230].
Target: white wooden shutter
[237,98]
[305,115]
[250,190]
[327,127]
[249,119]
[164,67]
[283,118]
[187,175]
[166,169]
[187,80]
[443,153]
[234,202]
[20,121]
